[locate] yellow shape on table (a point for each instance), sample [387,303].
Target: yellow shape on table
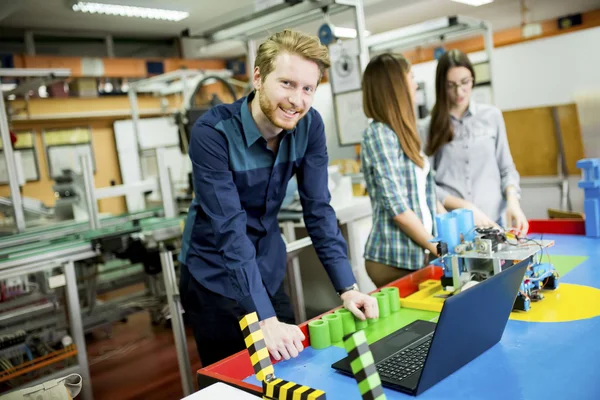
[569,302]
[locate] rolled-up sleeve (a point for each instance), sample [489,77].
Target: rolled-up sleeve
[217,195]
[508,170]
[382,149]
[319,216]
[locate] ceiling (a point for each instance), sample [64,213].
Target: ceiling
[56,17]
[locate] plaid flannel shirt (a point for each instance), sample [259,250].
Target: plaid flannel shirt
[392,187]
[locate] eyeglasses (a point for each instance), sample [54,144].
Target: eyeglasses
[463,84]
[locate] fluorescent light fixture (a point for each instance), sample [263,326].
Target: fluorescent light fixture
[129,11]
[474,3]
[347,33]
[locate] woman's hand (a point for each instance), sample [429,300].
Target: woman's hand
[515,217]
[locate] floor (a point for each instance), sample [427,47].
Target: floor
[137,361]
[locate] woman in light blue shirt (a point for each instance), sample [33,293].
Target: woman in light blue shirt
[468,146]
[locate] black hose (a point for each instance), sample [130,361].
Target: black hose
[199,86]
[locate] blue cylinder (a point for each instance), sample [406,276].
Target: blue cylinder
[465,222]
[447,226]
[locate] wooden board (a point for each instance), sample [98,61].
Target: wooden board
[532,139]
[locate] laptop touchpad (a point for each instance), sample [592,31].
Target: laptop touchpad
[395,344]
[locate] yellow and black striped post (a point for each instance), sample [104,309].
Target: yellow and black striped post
[255,343]
[363,367]
[279,389]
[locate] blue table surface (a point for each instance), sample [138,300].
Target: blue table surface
[558,360]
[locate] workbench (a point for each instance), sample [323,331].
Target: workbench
[551,352]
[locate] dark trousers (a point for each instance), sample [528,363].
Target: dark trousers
[215,318]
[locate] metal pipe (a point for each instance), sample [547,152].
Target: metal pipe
[565,199]
[168,270]
[77,328]
[488,38]
[166,189]
[13,181]
[33,72]
[110,46]
[363,49]
[294,276]
[251,44]
[29,43]
[135,114]
[87,171]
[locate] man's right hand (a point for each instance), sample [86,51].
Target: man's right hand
[282,340]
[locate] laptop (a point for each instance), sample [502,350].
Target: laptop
[421,354]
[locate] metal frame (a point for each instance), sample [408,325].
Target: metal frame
[34,148]
[66,259]
[53,174]
[13,182]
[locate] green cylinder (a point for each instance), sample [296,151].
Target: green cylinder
[383,302]
[336,328]
[360,325]
[347,320]
[394,297]
[319,334]
[371,321]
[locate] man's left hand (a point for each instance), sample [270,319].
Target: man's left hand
[354,301]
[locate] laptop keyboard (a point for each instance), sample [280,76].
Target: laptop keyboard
[404,363]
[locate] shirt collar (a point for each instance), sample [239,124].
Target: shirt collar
[471,111]
[251,131]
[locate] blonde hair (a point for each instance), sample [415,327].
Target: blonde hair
[293,42]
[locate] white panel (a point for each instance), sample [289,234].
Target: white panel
[125,139]
[153,133]
[67,157]
[548,71]
[129,162]
[323,103]
[158,132]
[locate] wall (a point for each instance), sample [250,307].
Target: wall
[323,103]
[550,71]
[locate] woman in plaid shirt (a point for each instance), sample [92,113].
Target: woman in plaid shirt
[397,173]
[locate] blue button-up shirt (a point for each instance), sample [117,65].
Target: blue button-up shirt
[232,244]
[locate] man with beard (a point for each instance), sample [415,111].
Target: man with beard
[243,155]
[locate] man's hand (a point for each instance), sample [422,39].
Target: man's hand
[355,300]
[282,340]
[515,218]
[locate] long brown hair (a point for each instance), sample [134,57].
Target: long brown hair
[387,99]
[440,129]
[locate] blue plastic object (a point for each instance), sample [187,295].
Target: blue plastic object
[455,227]
[448,230]
[465,222]
[590,184]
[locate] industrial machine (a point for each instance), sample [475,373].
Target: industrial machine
[469,254]
[36,329]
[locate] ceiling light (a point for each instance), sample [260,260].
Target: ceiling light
[129,11]
[474,3]
[347,33]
